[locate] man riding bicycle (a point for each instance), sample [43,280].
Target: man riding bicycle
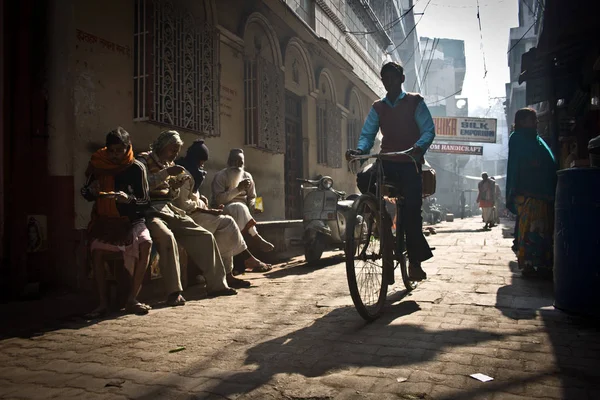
[405,123]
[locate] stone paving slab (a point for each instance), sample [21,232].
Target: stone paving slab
[295,335]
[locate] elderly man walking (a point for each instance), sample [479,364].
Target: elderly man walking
[486,199]
[234,188]
[169,225]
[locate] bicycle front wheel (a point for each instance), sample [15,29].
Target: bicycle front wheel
[364,258]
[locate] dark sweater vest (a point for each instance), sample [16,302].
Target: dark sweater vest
[398,125]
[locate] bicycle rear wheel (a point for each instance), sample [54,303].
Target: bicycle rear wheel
[403,264]
[364,258]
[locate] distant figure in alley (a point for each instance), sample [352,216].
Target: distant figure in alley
[485,198]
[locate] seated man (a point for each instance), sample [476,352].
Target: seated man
[233,188]
[168,223]
[227,234]
[118,185]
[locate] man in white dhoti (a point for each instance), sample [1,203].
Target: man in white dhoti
[486,199]
[229,239]
[233,188]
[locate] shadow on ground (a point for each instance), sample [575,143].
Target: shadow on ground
[341,341]
[575,340]
[301,267]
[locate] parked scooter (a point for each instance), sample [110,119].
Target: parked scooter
[326,212]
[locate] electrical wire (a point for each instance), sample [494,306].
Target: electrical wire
[447,97]
[485,71]
[428,66]
[412,29]
[422,58]
[388,26]
[525,34]
[483,5]
[528,6]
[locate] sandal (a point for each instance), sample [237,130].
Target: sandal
[262,267]
[175,300]
[223,292]
[137,308]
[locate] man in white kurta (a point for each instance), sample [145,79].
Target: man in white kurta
[234,188]
[227,234]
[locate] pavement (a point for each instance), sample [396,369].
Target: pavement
[295,335]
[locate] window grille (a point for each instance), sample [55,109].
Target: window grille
[176,70]
[329,135]
[353,133]
[264,105]
[321,135]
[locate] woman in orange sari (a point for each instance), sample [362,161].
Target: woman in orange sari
[118,185]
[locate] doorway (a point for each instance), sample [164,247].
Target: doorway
[293,155]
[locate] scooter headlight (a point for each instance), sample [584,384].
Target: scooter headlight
[327,183]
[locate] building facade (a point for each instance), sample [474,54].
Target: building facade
[289,82]
[562,77]
[521,40]
[442,71]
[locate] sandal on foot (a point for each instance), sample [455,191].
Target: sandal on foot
[137,308]
[223,292]
[175,300]
[262,267]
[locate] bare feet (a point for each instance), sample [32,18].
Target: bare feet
[256,265]
[262,244]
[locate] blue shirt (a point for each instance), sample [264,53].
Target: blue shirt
[422,118]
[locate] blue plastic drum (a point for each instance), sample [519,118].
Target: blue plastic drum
[577,241]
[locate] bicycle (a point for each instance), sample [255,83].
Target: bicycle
[370,243]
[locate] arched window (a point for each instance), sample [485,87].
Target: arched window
[329,118]
[355,120]
[263,88]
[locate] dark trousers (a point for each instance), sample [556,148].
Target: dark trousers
[410,186]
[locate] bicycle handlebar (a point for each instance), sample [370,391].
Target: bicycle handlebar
[382,155]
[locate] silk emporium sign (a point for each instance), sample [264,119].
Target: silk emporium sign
[465,129]
[456,149]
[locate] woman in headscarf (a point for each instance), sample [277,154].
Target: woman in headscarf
[118,185]
[530,191]
[227,233]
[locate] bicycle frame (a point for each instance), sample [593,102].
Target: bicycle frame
[399,243]
[380,176]
[372,270]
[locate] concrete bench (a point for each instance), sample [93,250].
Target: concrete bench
[286,236]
